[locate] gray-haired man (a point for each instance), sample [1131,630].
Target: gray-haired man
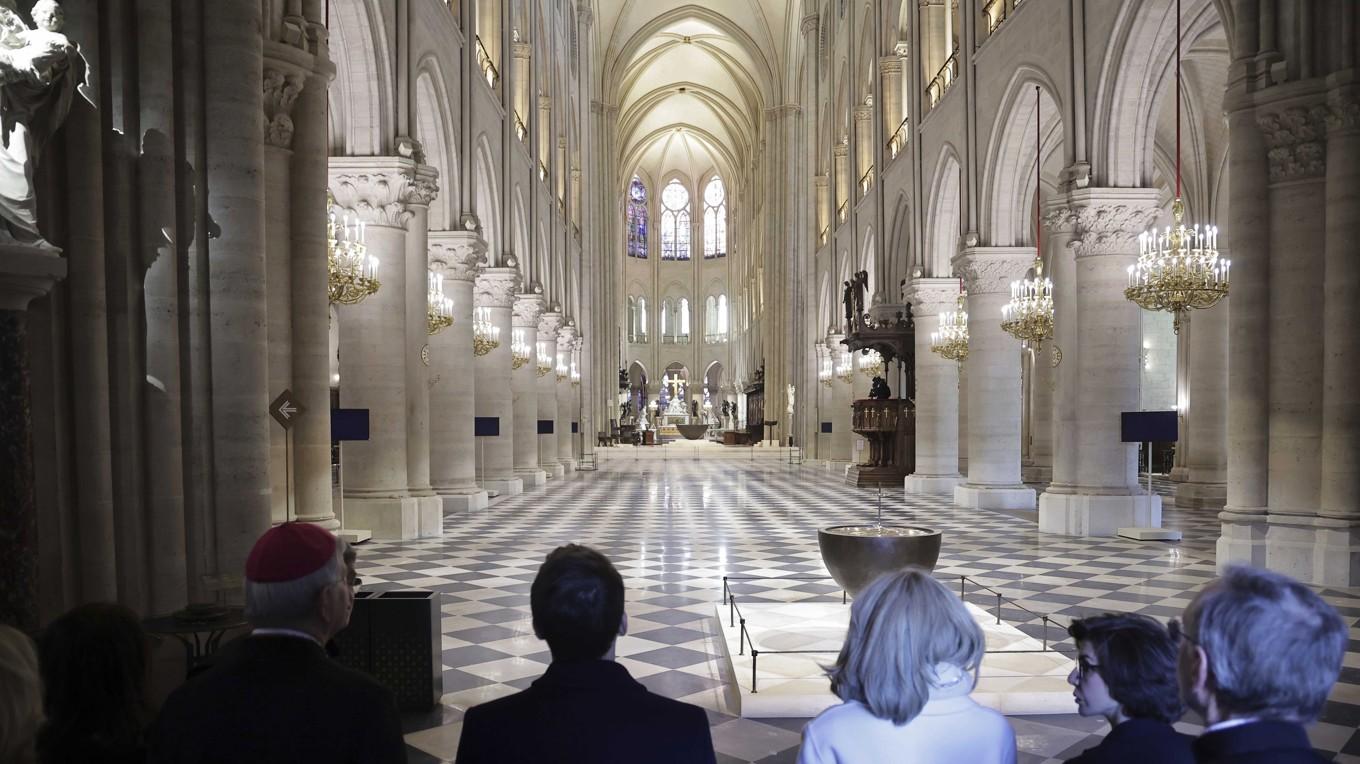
[1259,653]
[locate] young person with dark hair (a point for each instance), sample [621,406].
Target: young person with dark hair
[94,669]
[585,707]
[1126,672]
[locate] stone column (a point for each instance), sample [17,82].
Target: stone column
[234,120]
[25,273]
[1104,496]
[549,324]
[310,309]
[423,189]
[528,308]
[567,410]
[840,155]
[864,144]
[496,290]
[1338,536]
[842,437]
[993,392]
[890,69]
[1205,338]
[375,345]
[453,456]
[521,51]
[937,392]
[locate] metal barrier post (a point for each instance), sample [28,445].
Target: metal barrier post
[731,611]
[1045,634]
[755,654]
[998,608]
[741,645]
[962,581]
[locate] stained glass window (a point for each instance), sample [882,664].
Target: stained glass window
[674,222]
[715,219]
[637,219]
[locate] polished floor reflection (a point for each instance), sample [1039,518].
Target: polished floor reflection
[675,524]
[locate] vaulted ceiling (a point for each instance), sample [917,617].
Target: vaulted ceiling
[691,80]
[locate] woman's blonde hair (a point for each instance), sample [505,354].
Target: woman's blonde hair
[902,626]
[20,696]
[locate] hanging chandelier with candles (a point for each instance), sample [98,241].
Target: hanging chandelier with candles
[439,310]
[486,336]
[845,368]
[1178,268]
[562,370]
[871,363]
[520,352]
[575,375]
[545,359]
[951,341]
[353,273]
[1028,316]
[825,372]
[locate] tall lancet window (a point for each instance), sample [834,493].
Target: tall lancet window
[715,219]
[674,222]
[683,323]
[636,219]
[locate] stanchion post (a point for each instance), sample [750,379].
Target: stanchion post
[755,654]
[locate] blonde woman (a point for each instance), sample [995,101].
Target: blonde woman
[909,661]
[20,697]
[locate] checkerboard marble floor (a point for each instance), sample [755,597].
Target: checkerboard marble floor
[675,527]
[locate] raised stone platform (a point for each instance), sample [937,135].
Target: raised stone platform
[1013,680]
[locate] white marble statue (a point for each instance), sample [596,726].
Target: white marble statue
[40,70]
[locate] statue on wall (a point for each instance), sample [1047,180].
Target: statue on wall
[40,71]
[861,282]
[848,297]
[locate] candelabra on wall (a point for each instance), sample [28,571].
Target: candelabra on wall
[486,336]
[520,352]
[353,273]
[545,360]
[951,341]
[845,368]
[439,309]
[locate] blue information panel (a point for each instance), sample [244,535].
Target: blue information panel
[486,426]
[826,427]
[1147,426]
[349,424]
[545,427]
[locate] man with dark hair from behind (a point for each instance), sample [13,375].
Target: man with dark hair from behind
[585,708]
[1259,655]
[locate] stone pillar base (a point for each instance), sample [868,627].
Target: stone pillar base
[532,478]
[554,469]
[1201,495]
[329,523]
[568,463]
[1242,539]
[919,484]
[1082,514]
[399,517]
[471,501]
[994,497]
[512,486]
[1036,473]
[1323,551]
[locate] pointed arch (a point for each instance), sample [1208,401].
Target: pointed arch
[441,148]
[360,94]
[943,225]
[486,200]
[1006,217]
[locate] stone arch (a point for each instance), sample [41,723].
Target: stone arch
[360,94]
[529,267]
[486,200]
[1008,181]
[868,261]
[441,151]
[942,222]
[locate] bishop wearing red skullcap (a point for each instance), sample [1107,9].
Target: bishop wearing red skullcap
[275,697]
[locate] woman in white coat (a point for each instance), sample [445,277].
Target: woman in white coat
[910,659]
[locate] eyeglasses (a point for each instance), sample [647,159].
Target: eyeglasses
[1178,633]
[1085,668]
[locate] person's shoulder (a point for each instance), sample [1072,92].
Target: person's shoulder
[674,708]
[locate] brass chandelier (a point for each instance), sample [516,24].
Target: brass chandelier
[486,336]
[1028,316]
[845,368]
[545,360]
[1178,268]
[519,349]
[353,273]
[439,309]
[825,371]
[871,363]
[951,341]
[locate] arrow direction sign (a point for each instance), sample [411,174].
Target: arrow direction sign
[285,410]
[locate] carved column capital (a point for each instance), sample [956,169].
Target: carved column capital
[1104,220]
[522,49]
[990,270]
[890,65]
[497,287]
[550,323]
[1295,142]
[528,309]
[424,186]
[459,254]
[930,296]
[567,335]
[281,90]
[378,190]
[1343,110]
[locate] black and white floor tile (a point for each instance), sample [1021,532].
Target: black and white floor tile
[675,527]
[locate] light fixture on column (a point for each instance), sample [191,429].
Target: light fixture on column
[845,368]
[353,273]
[1028,316]
[871,363]
[545,360]
[575,375]
[951,341]
[1178,268]
[562,370]
[486,336]
[520,352]
[439,310]
[825,372]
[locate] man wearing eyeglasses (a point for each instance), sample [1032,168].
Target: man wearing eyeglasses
[1258,655]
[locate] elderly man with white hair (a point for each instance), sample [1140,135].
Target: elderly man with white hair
[275,697]
[1259,654]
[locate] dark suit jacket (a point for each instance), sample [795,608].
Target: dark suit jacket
[278,700]
[1263,742]
[1139,741]
[586,712]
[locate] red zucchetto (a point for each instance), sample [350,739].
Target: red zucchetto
[288,552]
